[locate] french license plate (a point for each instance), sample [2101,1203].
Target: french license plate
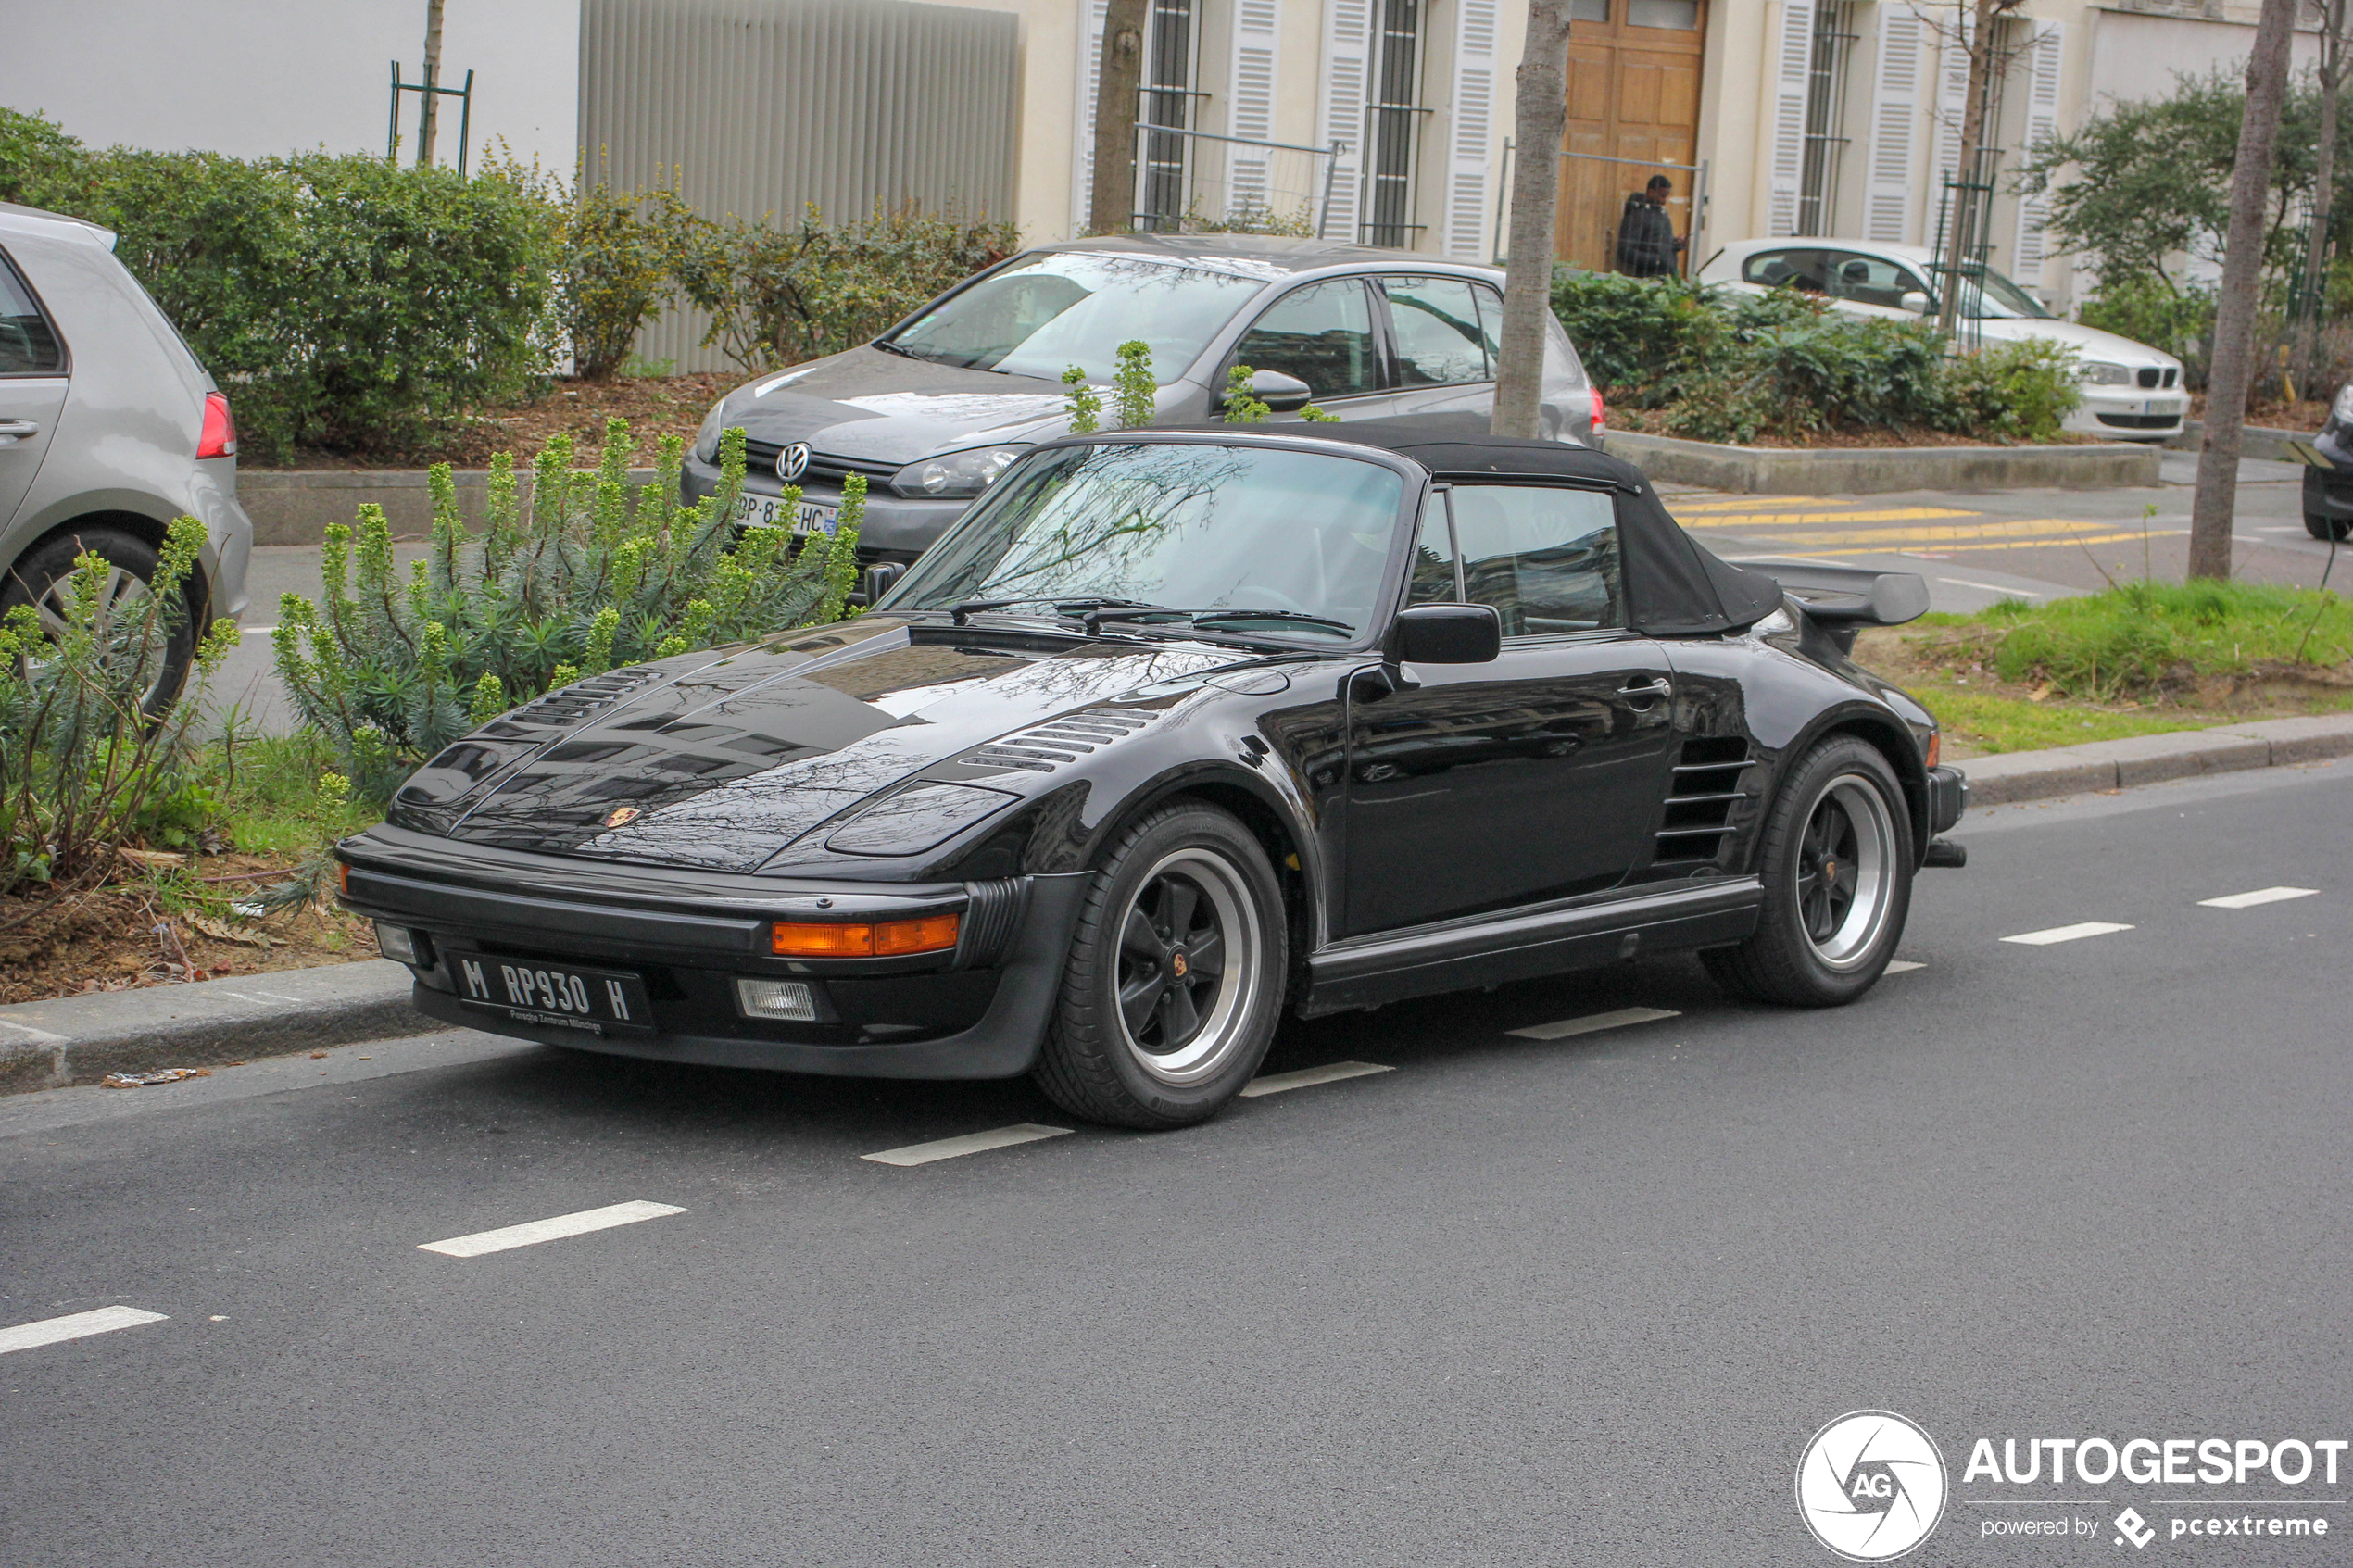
[754,510]
[595,1001]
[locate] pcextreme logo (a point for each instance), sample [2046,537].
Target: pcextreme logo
[1872,1485]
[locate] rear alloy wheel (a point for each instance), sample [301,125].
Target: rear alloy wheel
[2320,527]
[1175,976]
[42,577]
[1837,868]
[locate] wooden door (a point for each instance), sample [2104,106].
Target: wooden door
[1634,92]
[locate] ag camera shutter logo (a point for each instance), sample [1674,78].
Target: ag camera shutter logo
[1872,1485]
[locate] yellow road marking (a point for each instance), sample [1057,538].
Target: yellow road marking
[1790,519]
[1723,502]
[2057,541]
[1939,534]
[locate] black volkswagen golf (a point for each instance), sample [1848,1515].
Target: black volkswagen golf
[1174,732]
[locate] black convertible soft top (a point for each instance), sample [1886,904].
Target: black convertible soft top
[1673,584]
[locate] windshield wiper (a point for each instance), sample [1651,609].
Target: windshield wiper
[1213,617]
[890,348]
[959,613]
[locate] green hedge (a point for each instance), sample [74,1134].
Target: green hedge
[1726,365]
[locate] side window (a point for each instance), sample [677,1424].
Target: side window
[1323,334]
[1431,578]
[27,344]
[1491,326]
[1546,557]
[1436,322]
[1803,269]
[1868,280]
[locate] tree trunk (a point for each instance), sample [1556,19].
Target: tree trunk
[2226,380]
[1542,120]
[1111,200]
[431,112]
[2316,250]
[1963,209]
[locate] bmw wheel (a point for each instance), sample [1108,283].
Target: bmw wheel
[1175,981]
[1837,868]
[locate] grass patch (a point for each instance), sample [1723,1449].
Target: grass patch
[269,793]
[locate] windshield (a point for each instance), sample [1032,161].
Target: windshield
[1039,315]
[2000,298]
[1190,526]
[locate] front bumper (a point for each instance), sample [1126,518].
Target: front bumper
[1948,798]
[2128,413]
[980,1011]
[896,528]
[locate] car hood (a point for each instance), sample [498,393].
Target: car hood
[872,406]
[2089,342]
[718,763]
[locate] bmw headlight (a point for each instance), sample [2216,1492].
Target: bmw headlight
[956,474]
[707,438]
[2100,373]
[2342,409]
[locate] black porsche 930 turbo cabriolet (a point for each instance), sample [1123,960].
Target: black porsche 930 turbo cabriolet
[1177,730]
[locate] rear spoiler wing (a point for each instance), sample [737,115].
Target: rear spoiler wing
[1844,600]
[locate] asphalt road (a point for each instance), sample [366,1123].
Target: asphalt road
[1973,548]
[1579,1300]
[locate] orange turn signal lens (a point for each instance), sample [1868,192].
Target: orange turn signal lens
[1935,745]
[883,940]
[343,877]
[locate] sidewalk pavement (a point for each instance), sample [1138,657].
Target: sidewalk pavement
[81,1039]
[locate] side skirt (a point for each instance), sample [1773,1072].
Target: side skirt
[1523,945]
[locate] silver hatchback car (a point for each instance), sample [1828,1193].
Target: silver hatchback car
[931,411]
[109,430]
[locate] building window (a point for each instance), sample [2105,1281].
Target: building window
[1825,146]
[1392,123]
[1166,99]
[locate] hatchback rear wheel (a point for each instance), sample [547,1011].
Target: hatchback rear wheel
[160,652]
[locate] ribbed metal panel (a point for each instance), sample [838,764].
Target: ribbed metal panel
[764,107]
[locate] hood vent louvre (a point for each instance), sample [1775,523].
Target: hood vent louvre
[1699,803]
[1043,748]
[578,700]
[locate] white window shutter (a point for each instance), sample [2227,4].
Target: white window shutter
[1090,71]
[1257,27]
[1895,112]
[1792,59]
[1473,128]
[2042,124]
[1952,104]
[1348,47]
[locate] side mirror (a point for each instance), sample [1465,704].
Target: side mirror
[878,578]
[1914,302]
[1281,394]
[1446,635]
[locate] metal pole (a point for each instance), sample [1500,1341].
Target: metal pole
[424,120]
[1324,208]
[1699,220]
[465,119]
[1503,195]
[392,128]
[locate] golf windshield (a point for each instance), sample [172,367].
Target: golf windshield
[1999,297]
[1209,530]
[1042,314]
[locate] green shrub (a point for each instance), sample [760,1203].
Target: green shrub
[82,767]
[779,296]
[621,252]
[1635,334]
[590,575]
[36,159]
[2013,390]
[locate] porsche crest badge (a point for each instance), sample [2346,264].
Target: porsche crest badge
[621,815]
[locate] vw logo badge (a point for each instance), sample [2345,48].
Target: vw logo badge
[793,461]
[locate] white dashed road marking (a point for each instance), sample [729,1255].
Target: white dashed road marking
[1901,966]
[1330,1072]
[1587,1026]
[2260,896]
[2067,932]
[562,1226]
[81,1326]
[971,1143]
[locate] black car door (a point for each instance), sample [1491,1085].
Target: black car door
[1538,776]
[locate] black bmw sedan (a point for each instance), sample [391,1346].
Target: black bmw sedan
[1174,732]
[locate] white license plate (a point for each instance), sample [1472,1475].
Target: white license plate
[768,511]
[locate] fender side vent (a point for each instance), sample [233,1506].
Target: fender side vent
[1699,802]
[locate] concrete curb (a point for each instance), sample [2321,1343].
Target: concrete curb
[2255,440]
[1869,470]
[81,1039]
[294,506]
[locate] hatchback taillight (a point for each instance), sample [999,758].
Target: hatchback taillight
[1601,412]
[219,437]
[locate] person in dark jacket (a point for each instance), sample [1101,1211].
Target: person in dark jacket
[1647,243]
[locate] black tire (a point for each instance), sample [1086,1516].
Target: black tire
[45,570]
[1824,942]
[1149,1032]
[2320,527]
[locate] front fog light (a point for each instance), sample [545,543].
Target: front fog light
[408,946]
[788,1001]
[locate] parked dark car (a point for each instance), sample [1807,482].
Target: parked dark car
[2328,485]
[935,408]
[1174,732]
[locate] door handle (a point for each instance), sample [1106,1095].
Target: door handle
[16,430]
[1658,688]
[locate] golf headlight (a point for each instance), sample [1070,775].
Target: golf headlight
[2100,373]
[955,474]
[2342,409]
[707,438]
